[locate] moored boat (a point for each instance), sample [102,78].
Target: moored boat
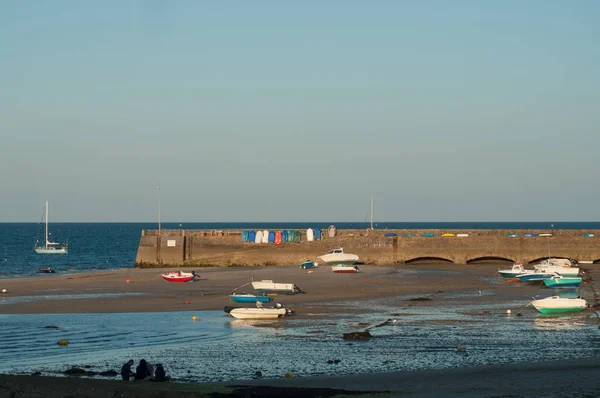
[535,276]
[178,276]
[257,313]
[309,264]
[337,256]
[345,269]
[559,281]
[267,286]
[248,298]
[49,247]
[556,304]
[561,266]
[517,269]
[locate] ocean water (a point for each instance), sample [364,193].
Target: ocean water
[102,246]
[217,347]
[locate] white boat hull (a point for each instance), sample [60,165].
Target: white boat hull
[556,304]
[337,256]
[258,313]
[270,287]
[345,269]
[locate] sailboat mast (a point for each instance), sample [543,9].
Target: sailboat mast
[46,217]
[371,212]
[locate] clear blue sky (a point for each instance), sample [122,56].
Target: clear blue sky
[300,111]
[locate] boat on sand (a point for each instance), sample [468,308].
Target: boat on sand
[248,298]
[178,276]
[559,281]
[267,286]
[258,313]
[309,264]
[511,273]
[345,269]
[337,256]
[556,304]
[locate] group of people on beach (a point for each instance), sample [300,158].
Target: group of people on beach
[144,371]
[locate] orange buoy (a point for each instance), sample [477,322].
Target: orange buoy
[128,281]
[187,302]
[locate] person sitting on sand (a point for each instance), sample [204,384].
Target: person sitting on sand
[141,372]
[126,372]
[160,374]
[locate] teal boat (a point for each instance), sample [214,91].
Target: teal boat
[557,305]
[562,281]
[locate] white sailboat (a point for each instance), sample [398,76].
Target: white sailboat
[49,247]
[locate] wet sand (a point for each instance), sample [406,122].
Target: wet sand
[146,292]
[572,378]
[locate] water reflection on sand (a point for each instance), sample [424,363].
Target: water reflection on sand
[406,336]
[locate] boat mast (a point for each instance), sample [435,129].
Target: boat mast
[158,211]
[371,212]
[46,217]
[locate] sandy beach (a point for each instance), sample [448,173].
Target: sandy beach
[142,290]
[146,291]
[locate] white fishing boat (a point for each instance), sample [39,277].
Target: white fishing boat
[267,286]
[258,313]
[562,266]
[49,247]
[511,273]
[337,256]
[556,304]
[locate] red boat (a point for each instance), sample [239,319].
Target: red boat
[178,276]
[345,269]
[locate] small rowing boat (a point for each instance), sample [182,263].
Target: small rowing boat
[178,276]
[257,313]
[308,264]
[345,269]
[248,298]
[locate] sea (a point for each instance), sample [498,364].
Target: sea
[105,246]
[459,329]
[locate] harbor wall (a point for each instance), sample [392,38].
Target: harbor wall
[197,248]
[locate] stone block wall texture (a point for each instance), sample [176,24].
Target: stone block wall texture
[225,248]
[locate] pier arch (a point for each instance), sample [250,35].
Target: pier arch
[428,260]
[490,259]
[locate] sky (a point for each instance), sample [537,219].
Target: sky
[299,111]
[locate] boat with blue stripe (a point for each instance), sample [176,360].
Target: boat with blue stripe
[248,298]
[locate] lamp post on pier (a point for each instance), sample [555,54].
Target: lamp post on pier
[158,189]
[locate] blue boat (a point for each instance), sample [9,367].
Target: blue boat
[535,276]
[588,235]
[530,235]
[427,235]
[271,238]
[284,235]
[308,264]
[251,236]
[512,235]
[248,298]
[391,234]
[409,235]
[245,235]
